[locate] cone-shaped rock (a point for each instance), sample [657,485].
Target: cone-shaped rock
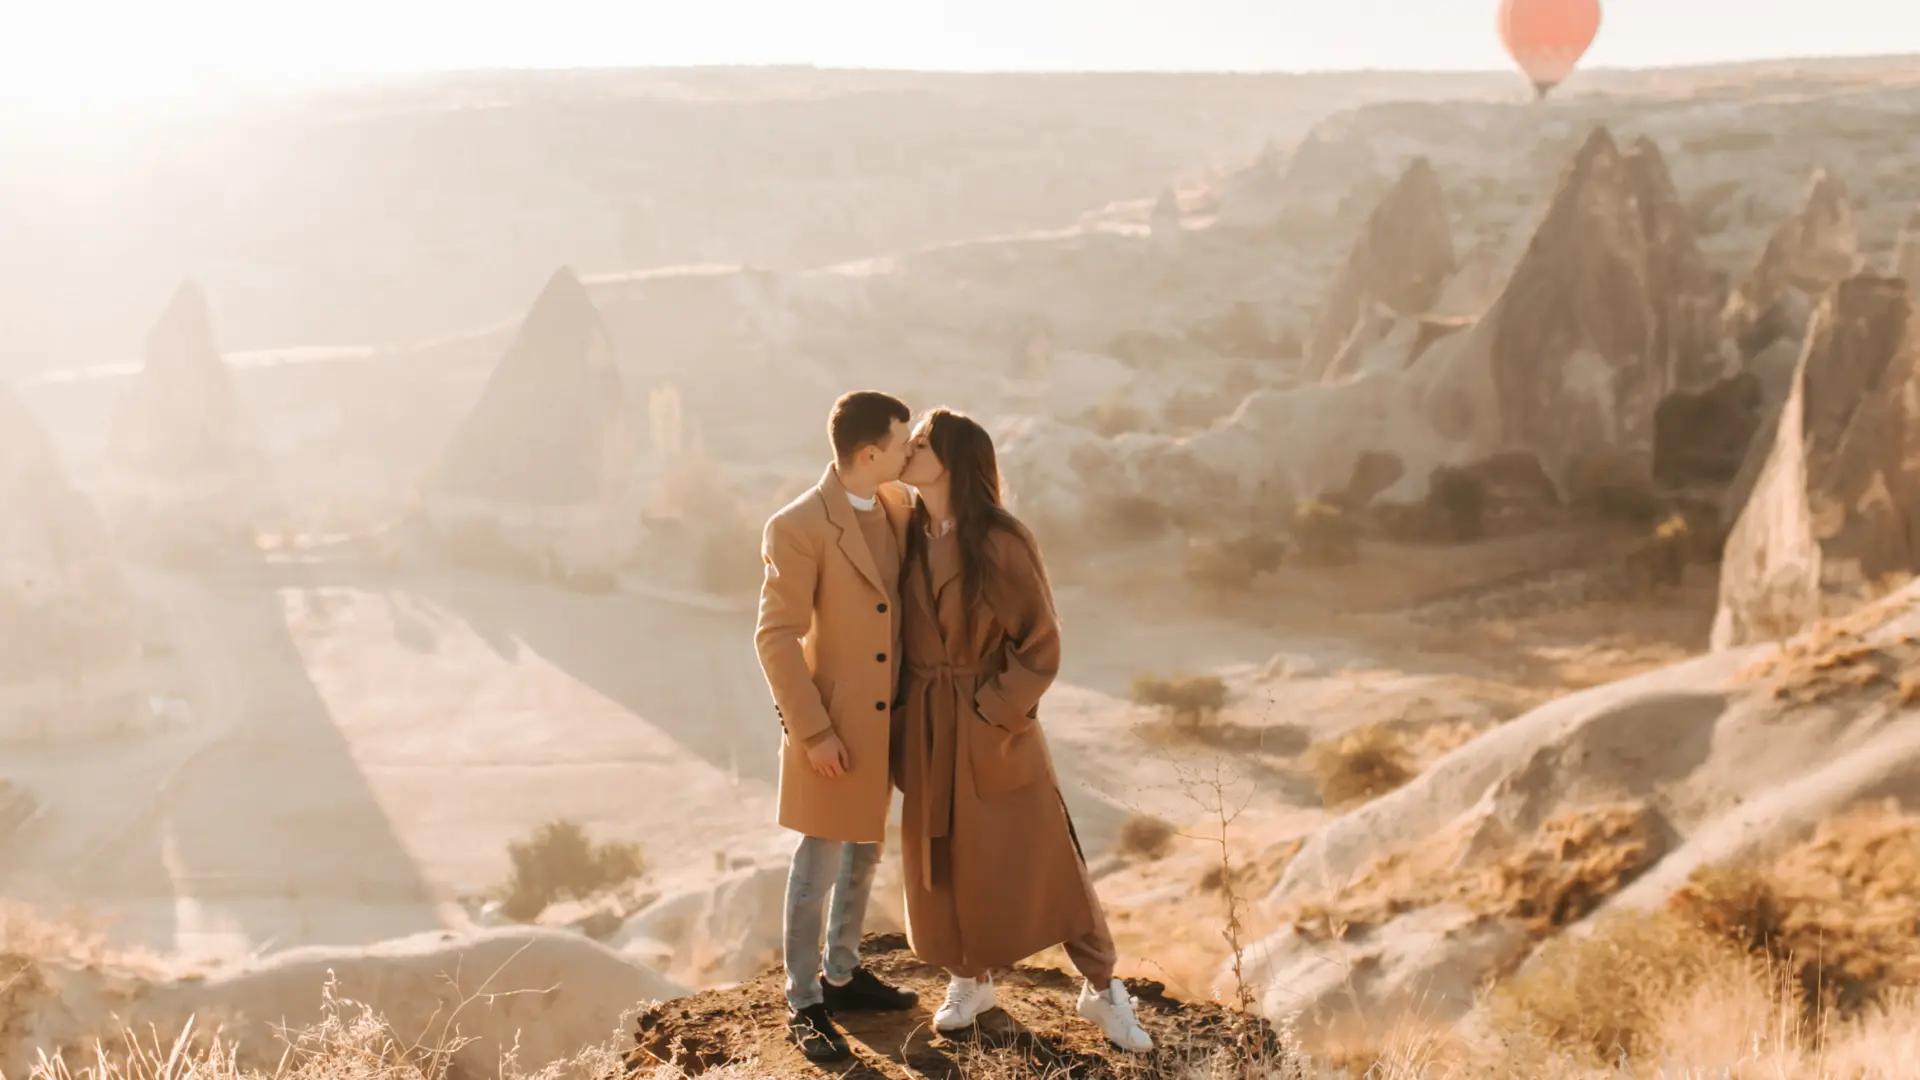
[1836,506]
[546,460]
[179,418]
[1610,308]
[1804,257]
[1401,261]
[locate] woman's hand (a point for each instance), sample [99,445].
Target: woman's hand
[830,757]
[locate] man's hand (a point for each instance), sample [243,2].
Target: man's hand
[829,757]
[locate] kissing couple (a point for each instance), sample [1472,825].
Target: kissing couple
[907,632]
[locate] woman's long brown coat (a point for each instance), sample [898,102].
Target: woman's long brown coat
[993,871]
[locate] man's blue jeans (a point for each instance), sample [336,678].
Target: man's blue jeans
[820,865]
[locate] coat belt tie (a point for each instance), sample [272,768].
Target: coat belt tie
[939,749]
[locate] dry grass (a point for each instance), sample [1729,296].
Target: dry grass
[1547,880]
[1839,913]
[1360,765]
[1844,656]
[1233,564]
[1325,534]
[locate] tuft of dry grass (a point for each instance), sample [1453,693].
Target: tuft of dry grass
[1843,656]
[1549,879]
[1360,765]
[1233,564]
[1839,912]
[1144,836]
[1325,534]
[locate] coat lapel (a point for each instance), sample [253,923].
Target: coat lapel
[853,542]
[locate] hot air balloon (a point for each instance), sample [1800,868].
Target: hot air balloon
[1548,37]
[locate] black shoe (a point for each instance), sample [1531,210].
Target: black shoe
[865,991]
[813,1032]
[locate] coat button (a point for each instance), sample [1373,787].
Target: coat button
[879,706]
[883,609]
[882,657]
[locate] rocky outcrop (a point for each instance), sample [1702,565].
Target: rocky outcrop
[1400,263]
[1704,437]
[1034,1032]
[1906,254]
[543,471]
[1804,257]
[68,641]
[1610,309]
[1835,506]
[185,469]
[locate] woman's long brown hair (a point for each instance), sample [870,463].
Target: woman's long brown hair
[973,472]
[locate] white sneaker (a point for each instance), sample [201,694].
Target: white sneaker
[1112,1009]
[966,999]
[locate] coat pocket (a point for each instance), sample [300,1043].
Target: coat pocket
[1004,761]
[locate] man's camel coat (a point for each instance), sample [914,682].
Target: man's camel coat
[826,640]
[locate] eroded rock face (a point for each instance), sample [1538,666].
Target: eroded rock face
[1906,255]
[1401,262]
[1806,255]
[67,636]
[1611,308]
[1702,438]
[544,465]
[1836,504]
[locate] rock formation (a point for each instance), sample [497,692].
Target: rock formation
[543,472]
[1836,504]
[1165,222]
[184,469]
[1805,256]
[1401,261]
[68,644]
[1906,254]
[1610,308]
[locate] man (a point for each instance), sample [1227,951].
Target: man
[829,644]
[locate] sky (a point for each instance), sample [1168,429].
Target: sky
[133,50]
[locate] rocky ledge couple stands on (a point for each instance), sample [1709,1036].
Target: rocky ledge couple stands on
[907,632]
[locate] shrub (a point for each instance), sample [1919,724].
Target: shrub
[1618,487]
[1129,517]
[1144,836]
[1360,765]
[1457,501]
[1325,534]
[1660,561]
[559,862]
[1188,699]
[1232,564]
[1113,417]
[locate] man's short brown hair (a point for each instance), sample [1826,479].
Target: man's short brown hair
[861,419]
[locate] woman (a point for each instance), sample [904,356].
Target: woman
[994,871]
